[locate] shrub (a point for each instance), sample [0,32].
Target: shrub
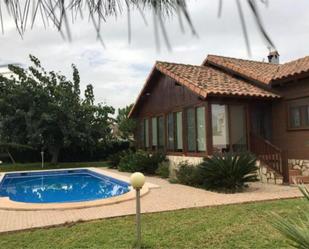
[115,158]
[163,170]
[141,161]
[296,229]
[189,174]
[228,172]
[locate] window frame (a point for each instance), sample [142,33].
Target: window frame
[303,109]
[186,139]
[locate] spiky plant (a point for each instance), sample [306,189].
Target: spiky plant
[296,230]
[229,172]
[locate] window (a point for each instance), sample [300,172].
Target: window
[307,115]
[179,143]
[201,129]
[146,125]
[170,132]
[191,129]
[196,128]
[220,128]
[295,117]
[298,114]
[142,134]
[174,129]
[154,129]
[161,133]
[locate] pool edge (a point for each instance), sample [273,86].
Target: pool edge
[7,204]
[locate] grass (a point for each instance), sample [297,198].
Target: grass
[37,166]
[234,226]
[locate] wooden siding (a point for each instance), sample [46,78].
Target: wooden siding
[165,95]
[294,142]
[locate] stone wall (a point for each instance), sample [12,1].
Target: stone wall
[267,175]
[302,165]
[174,162]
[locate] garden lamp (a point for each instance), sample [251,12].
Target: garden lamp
[137,181]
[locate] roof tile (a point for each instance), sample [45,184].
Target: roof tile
[205,80]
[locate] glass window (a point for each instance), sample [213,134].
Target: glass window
[299,113]
[191,129]
[161,134]
[154,129]
[220,128]
[295,117]
[238,129]
[201,129]
[142,134]
[307,115]
[170,129]
[179,145]
[146,133]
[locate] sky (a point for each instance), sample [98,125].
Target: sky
[119,70]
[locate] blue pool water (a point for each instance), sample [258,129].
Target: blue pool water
[60,186]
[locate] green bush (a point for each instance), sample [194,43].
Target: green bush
[189,174]
[115,158]
[163,170]
[228,172]
[141,161]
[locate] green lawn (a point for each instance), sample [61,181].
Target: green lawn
[234,226]
[37,166]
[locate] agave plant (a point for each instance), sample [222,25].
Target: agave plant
[296,230]
[229,172]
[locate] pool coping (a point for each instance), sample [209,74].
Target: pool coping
[7,204]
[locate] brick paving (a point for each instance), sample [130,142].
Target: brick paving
[165,198]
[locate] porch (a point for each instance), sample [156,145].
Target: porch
[215,126]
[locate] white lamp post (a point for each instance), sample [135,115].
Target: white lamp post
[137,181]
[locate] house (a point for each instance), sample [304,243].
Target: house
[229,105]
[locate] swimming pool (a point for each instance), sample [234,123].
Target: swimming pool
[61,186]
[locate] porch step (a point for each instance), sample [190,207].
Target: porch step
[299,179]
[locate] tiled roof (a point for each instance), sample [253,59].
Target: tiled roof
[260,71]
[292,68]
[205,80]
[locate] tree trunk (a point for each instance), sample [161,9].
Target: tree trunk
[55,154]
[11,157]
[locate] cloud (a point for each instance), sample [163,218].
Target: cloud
[119,70]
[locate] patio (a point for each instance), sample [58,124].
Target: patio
[165,198]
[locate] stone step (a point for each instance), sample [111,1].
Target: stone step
[295,172]
[299,179]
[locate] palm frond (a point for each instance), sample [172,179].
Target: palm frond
[56,13]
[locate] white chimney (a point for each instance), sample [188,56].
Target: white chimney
[273,57]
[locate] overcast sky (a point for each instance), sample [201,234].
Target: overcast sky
[118,71]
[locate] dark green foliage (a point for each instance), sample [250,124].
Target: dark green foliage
[228,172]
[141,161]
[163,170]
[125,124]
[189,174]
[114,159]
[44,109]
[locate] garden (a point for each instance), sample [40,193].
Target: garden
[44,118]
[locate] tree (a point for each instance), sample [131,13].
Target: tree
[44,110]
[125,124]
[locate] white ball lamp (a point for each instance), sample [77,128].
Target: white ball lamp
[137,181]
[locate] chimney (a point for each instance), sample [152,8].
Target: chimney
[273,57]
